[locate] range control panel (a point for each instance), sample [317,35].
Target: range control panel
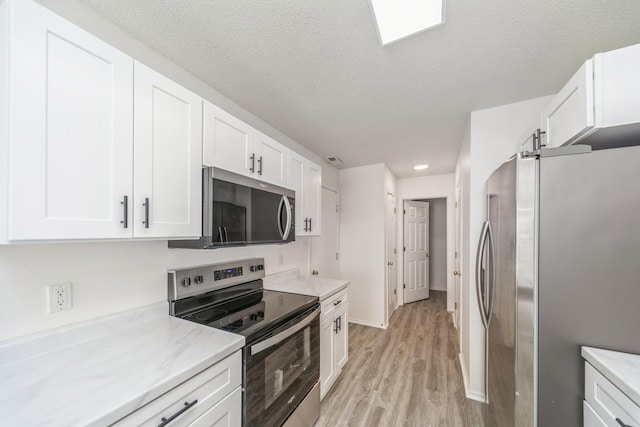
[192,281]
[227,273]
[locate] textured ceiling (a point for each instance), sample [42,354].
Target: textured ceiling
[315,69]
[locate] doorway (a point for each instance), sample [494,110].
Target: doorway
[324,248]
[390,253]
[424,248]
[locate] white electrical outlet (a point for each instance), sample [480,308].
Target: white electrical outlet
[60,297]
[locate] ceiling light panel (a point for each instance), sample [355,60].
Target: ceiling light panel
[398,19]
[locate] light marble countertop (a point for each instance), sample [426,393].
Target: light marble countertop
[622,369]
[96,372]
[291,282]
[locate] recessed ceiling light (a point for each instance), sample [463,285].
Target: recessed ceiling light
[420,167]
[398,19]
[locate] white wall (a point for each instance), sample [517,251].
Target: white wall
[495,135]
[362,222]
[86,18]
[110,277]
[428,187]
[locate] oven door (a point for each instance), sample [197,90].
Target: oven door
[280,369]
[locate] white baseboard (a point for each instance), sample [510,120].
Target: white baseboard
[366,323]
[465,379]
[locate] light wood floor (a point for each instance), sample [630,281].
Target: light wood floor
[406,375]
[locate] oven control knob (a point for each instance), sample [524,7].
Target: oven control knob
[261,313]
[261,267]
[186,281]
[198,279]
[254,317]
[253,268]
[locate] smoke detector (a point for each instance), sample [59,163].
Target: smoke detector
[334,160]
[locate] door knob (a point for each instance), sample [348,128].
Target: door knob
[456,273]
[314,272]
[389,263]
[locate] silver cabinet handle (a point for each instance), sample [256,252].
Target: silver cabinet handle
[340,323]
[125,207]
[306,221]
[337,302]
[146,212]
[220,234]
[276,339]
[187,405]
[309,224]
[335,326]
[260,163]
[253,163]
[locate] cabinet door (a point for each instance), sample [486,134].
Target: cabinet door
[570,114]
[71,129]
[228,142]
[227,413]
[312,194]
[167,158]
[327,359]
[617,87]
[271,160]
[296,182]
[342,338]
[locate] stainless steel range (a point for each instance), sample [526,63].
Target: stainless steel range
[281,357]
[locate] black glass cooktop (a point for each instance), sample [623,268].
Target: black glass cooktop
[244,309]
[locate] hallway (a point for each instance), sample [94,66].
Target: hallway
[406,375]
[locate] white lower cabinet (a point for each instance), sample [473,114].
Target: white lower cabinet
[605,404]
[334,339]
[211,398]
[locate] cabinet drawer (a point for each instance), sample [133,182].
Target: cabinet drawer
[208,388]
[328,305]
[608,401]
[227,413]
[591,419]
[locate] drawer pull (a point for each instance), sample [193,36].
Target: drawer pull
[621,423]
[166,421]
[337,302]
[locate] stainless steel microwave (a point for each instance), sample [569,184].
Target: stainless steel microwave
[238,210]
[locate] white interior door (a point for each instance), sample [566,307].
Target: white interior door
[390,236]
[416,251]
[324,248]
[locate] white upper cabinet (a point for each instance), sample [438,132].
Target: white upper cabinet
[271,160]
[600,105]
[570,113]
[167,158]
[228,142]
[70,145]
[67,129]
[233,145]
[305,178]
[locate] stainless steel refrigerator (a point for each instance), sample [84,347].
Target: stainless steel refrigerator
[558,267]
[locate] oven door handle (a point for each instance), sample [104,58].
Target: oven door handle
[276,339]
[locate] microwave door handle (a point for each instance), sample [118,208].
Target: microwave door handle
[279,218]
[287,228]
[277,339]
[225,234]
[220,234]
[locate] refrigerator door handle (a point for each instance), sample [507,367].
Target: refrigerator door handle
[491,283]
[479,274]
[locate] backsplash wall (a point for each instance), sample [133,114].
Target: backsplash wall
[109,277]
